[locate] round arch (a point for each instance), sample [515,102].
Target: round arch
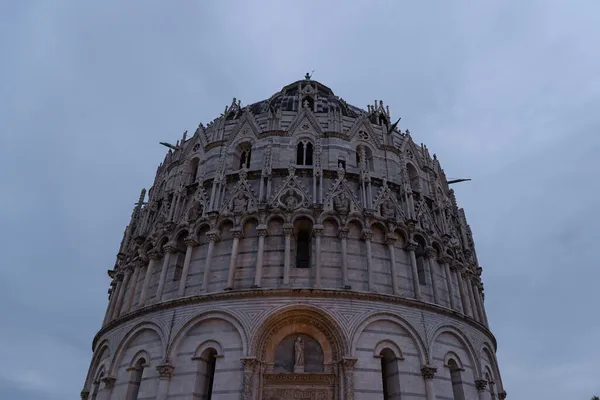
[128,338]
[462,338]
[393,318]
[97,361]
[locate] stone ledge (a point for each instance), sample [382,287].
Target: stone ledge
[291,292]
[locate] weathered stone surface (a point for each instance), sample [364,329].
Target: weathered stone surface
[243,204]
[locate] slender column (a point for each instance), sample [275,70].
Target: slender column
[431,254]
[109,384]
[469,288]
[251,366]
[153,256]
[131,291]
[492,390]
[479,294]
[261,189]
[367,235]
[463,293]
[237,234]
[318,233]
[428,373]
[287,230]
[122,291]
[343,234]
[165,371]
[262,233]
[411,247]
[444,261]
[213,236]
[481,384]
[391,240]
[348,367]
[190,242]
[169,249]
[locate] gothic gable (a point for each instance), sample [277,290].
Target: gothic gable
[291,195]
[246,127]
[363,130]
[241,199]
[340,198]
[305,121]
[386,204]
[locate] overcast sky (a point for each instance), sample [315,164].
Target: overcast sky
[505,94]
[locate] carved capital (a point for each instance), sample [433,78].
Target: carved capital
[170,247]
[109,382]
[154,254]
[481,384]
[121,257]
[366,234]
[456,266]
[428,371]
[343,233]
[288,229]
[348,364]
[190,241]
[165,370]
[317,230]
[120,275]
[261,230]
[237,233]
[84,394]
[213,236]
[445,259]
[391,238]
[430,252]
[251,364]
[412,246]
[502,395]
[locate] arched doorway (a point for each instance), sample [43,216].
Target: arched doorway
[300,353]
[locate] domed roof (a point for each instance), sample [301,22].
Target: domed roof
[290,97]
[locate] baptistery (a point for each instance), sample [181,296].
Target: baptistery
[296,248]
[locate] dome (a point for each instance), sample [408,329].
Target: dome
[297,247]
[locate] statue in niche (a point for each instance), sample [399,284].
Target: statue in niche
[240,203]
[341,203]
[195,211]
[425,221]
[388,210]
[163,213]
[299,354]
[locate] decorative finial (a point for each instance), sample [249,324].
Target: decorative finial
[307,76]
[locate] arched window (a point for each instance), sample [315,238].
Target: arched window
[205,375]
[368,157]
[245,158]
[303,249]
[389,375]
[135,379]
[194,170]
[455,377]
[413,177]
[304,153]
[341,163]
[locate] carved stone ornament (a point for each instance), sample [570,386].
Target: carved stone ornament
[196,208]
[428,372]
[165,370]
[84,394]
[109,382]
[341,204]
[481,384]
[239,203]
[502,395]
[291,195]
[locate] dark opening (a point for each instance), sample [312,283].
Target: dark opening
[245,159]
[309,154]
[212,360]
[303,250]
[300,154]
[135,380]
[342,163]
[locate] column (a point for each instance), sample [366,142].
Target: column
[153,255]
[213,237]
[131,291]
[169,249]
[287,230]
[444,261]
[343,234]
[109,384]
[261,230]
[430,254]
[461,288]
[318,234]
[480,384]
[492,390]
[237,234]
[469,289]
[428,373]
[122,291]
[250,369]
[476,297]
[165,371]
[391,241]
[367,235]
[479,293]
[348,367]
[190,242]
[111,299]
[411,247]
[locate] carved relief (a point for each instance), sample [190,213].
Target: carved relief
[291,195]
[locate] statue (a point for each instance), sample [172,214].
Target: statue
[299,353]
[341,203]
[240,203]
[388,210]
[290,201]
[195,211]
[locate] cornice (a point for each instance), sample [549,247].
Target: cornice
[304,293]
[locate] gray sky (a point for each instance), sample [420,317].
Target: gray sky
[506,94]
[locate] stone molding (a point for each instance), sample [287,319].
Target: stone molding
[291,292]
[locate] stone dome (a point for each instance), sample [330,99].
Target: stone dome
[296,247]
